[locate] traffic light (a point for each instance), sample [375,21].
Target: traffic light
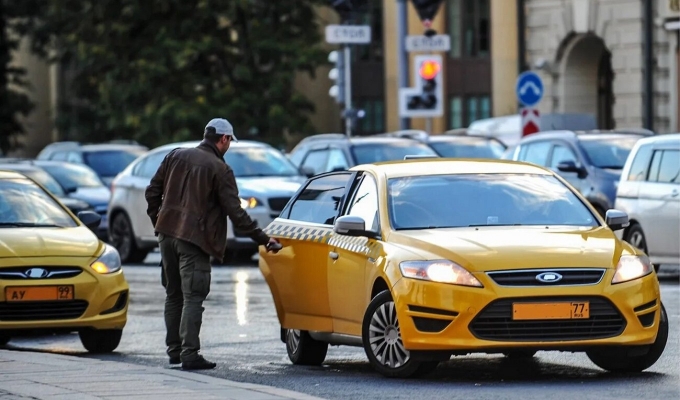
[427,9]
[426,98]
[337,74]
[346,7]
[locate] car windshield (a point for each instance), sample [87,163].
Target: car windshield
[608,152]
[377,152]
[46,180]
[109,163]
[469,148]
[259,161]
[452,201]
[72,176]
[24,204]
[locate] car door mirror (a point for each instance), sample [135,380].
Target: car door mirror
[616,219]
[571,166]
[70,189]
[90,219]
[307,171]
[352,225]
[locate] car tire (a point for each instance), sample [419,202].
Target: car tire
[303,350]
[381,337]
[100,341]
[122,237]
[4,339]
[618,360]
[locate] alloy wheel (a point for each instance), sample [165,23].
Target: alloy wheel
[385,337]
[293,340]
[637,239]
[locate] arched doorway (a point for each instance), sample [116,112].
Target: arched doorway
[587,79]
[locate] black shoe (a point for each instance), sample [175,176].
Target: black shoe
[199,363]
[175,360]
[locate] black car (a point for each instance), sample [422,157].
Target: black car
[336,152]
[106,159]
[591,161]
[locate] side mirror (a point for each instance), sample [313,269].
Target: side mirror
[307,171]
[570,166]
[351,225]
[70,189]
[90,219]
[616,219]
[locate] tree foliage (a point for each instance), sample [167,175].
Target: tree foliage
[157,70]
[14,100]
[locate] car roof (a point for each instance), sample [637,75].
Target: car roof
[5,174]
[664,139]
[339,137]
[19,167]
[439,166]
[109,146]
[461,138]
[586,135]
[194,143]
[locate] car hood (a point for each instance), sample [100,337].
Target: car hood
[92,195]
[269,186]
[501,248]
[48,242]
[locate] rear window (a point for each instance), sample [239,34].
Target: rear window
[109,163]
[464,148]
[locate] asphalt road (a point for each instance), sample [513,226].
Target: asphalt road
[241,332]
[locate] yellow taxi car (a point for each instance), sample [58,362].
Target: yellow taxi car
[55,275]
[419,260]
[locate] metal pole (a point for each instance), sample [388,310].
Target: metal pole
[402,21]
[348,90]
[428,125]
[648,13]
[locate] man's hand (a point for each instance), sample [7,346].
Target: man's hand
[273,246]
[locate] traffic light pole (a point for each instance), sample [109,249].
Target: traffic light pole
[348,89]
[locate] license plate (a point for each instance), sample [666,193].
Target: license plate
[34,293]
[571,310]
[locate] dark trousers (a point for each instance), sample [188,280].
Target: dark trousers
[187,283]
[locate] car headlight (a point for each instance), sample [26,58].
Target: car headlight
[109,262]
[443,271]
[632,267]
[250,202]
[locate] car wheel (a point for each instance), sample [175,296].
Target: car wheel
[4,339]
[382,341]
[520,354]
[616,360]
[123,239]
[636,237]
[100,341]
[303,350]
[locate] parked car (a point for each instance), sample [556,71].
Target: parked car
[404,260]
[46,180]
[458,143]
[335,152]
[266,181]
[590,160]
[106,159]
[56,275]
[649,192]
[80,182]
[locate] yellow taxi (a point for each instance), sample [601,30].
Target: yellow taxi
[420,260]
[55,275]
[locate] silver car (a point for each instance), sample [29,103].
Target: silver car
[649,192]
[266,180]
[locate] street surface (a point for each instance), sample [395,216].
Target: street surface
[241,333]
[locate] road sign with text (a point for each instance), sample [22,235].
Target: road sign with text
[416,43]
[348,34]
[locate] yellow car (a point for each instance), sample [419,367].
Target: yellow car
[55,275]
[419,260]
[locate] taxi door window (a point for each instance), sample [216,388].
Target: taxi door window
[365,203]
[316,160]
[320,201]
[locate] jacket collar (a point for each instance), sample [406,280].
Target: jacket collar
[210,147]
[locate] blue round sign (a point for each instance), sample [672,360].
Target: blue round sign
[529,88]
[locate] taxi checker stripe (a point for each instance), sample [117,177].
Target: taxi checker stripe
[289,231]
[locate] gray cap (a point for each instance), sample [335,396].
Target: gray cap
[222,127]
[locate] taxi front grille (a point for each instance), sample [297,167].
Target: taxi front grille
[495,322]
[567,277]
[39,272]
[42,310]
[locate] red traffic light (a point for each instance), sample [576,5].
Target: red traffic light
[429,69]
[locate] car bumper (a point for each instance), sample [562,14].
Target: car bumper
[100,302]
[465,311]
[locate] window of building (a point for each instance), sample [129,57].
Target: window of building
[455,112]
[373,16]
[374,118]
[469,28]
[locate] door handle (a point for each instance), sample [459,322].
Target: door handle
[333,255]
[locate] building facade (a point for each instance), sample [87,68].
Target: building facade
[594,58]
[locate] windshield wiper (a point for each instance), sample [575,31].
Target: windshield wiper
[28,225]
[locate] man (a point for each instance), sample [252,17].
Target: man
[189,199]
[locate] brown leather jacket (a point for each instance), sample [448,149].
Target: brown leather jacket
[191,195]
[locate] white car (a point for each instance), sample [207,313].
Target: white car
[649,192]
[266,180]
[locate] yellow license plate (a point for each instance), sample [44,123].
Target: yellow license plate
[571,310]
[34,293]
